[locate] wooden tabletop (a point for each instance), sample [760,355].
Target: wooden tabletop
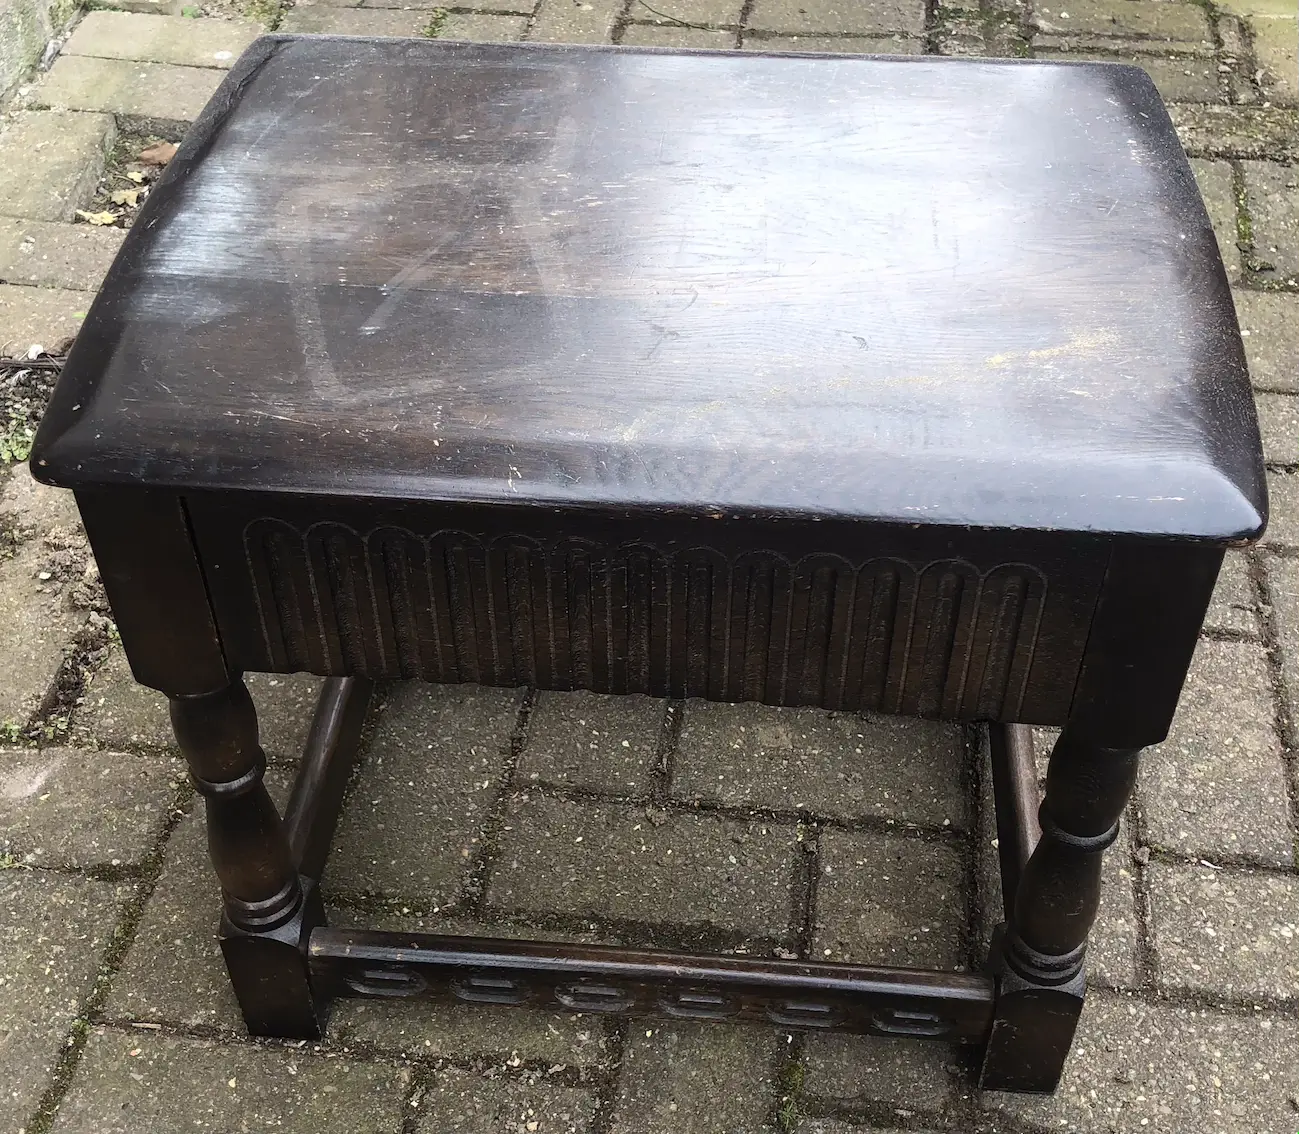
[918,290]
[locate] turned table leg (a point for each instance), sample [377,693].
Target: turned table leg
[268,911]
[1040,955]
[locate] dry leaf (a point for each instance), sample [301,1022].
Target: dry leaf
[125,196]
[136,176]
[160,153]
[98,218]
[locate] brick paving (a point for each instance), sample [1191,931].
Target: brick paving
[578,817]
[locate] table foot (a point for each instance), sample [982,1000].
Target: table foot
[1038,957]
[268,913]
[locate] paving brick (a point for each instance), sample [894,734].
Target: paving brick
[356,21]
[161,39]
[575,21]
[586,740]
[1138,19]
[638,865]
[48,254]
[1112,944]
[1226,932]
[155,92]
[119,713]
[1276,48]
[39,315]
[1233,606]
[53,932]
[846,44]
[431,774]
[889,900]
[845,765]
[50,162]
[1256,7]
[1269,323]
[1278,419]
[670,35]
[830,1126]
[1250,132]
[694,1078]
[504,7]
[35,505]
[483,29]
[1272,199]
[1138,1067]
[958,33]
[36,632]
[448,1028]
[1283,578]
[870,1073]
[173,973]
[1183,78]
[1283,520]
[1235,54]
[712,13]
[837,17]
[466,1103]
[141,1083]
[64,807]
[1217,187]
[149,7]
[1216,786]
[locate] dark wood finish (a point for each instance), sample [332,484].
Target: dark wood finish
[317,797]
[713,283]
[1041,951]
[938,622]
[1141,641]
[902,385]
[1015,800]
[266,911]
[159,598]
[802,995]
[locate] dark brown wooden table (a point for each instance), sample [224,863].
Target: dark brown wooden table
[909,385]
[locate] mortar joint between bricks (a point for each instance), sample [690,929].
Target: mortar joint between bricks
[52,718]
[124,932]
[473,886]
[933,28]
[865,824]
[1283,722]
[620,21]
[804,888]
[790,1071]
[972,787]
[685,937]
[421,1082]
[1224,864]
[1229,1005]
[872,1114]
[1144,954]
[666,751]
[537,8]
[1250,60]
[606,1092]
[356,1050]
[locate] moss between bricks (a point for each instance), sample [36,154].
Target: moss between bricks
[268,13]
[791,1088]
[437,20]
